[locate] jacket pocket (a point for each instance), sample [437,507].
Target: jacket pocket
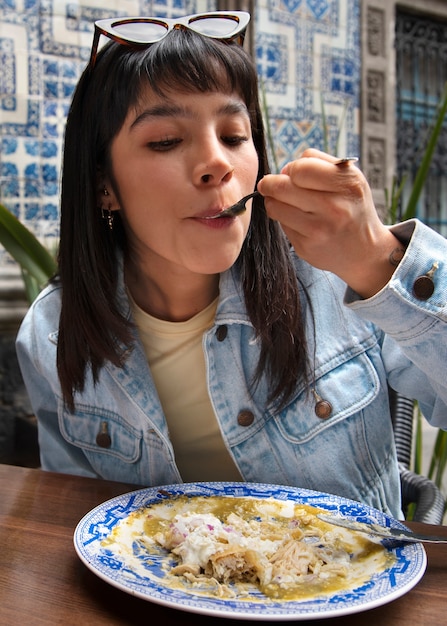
[102,431]
[348,388]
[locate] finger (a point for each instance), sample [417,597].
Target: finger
[313,174]
[324,156]
[317,154]
[306,225]
[323,174]
[290,201]
[330,206]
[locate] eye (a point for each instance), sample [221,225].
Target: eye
[234,140]
[163,145]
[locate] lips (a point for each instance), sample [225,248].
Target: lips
[218,215]
[210,214]
[214,219]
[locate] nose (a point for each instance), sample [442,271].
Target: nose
[214,164]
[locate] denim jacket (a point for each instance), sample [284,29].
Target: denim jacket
[356,346]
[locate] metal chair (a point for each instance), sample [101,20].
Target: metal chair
[416,489]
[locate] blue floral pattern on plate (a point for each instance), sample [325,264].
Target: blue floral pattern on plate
[407,569]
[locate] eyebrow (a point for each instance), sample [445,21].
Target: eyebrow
[173,110]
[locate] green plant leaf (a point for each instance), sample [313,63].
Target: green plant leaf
[439,458]
[25,248]
[392,199]
[324,124]
[32,286]
[268,126]
[340,125]
[418,444]
[424,166]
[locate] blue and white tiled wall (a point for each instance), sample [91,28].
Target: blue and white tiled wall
[307,53]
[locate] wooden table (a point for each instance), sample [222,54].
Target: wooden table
[42,581]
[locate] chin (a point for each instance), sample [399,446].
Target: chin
[213,265]
[220,268]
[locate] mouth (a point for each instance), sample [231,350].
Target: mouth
[213,213]
[220,215]
[232,210]
[238,208]
[210,216]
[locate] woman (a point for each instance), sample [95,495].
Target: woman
[178,345]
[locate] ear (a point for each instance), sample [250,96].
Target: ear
[106,197]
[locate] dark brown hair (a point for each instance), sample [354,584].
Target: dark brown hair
[92,328]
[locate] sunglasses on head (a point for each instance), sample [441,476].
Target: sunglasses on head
[144,31]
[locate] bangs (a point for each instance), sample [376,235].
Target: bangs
[188,62]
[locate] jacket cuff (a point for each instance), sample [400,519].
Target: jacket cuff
[406,300]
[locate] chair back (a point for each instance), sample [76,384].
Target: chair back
[416,489]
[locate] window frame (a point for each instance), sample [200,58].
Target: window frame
[378,88]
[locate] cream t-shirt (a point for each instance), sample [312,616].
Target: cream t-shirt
[175,355]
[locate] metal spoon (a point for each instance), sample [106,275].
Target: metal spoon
[346,160]
[376,530]
[239,207]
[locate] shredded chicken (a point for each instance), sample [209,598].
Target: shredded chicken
[249,551]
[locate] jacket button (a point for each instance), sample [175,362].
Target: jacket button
[245,418]
[221,333]
[103,438]
[323,409]
[424,286]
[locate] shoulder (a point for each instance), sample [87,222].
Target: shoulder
[42,318]
[48,302]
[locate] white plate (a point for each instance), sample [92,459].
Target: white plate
[383,587]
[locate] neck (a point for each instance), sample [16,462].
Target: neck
[173,297]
